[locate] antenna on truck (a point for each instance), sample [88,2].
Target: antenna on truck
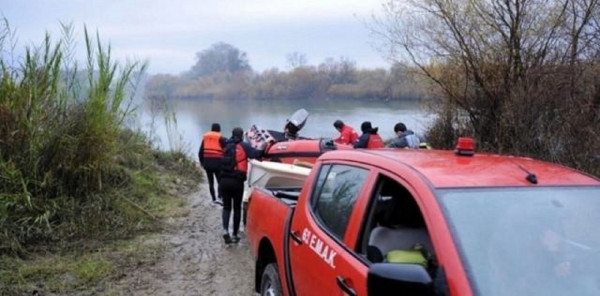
[531,177]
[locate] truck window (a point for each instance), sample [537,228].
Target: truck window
[395,229]
[335,194]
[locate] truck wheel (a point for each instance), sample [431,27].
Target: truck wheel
[269,284]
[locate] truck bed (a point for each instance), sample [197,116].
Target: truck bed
[275,203]
[274,177]
[288,195]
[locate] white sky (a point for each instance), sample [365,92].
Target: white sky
[169,33]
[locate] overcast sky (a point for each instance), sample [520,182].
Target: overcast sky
[169,33]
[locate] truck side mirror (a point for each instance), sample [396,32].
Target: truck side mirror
[393,278]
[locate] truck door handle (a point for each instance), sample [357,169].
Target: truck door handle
[296,237]
[342,284]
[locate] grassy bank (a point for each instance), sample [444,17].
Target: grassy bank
[76,183]
[87,262]
[76,271]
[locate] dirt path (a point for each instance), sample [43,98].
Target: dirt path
[197,261]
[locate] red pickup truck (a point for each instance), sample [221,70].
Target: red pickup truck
[428,222]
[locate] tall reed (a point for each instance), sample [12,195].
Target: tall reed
[65,154]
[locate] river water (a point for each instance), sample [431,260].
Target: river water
[194,117]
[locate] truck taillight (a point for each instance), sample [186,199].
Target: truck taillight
[465,146]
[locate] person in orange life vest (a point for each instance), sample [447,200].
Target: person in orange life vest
[210,155]
[347,135]
[232,181]
[369,139]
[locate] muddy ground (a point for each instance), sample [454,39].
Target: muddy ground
[197,261]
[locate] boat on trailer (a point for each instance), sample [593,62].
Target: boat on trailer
[288,146]
[288,157]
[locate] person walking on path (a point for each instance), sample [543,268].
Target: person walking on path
[233,174]
[210,155]
[348,135]
[369,139]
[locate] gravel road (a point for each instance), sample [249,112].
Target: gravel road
[197,261]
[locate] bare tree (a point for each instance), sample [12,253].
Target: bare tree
[296,59]
[517,69]
[339,72]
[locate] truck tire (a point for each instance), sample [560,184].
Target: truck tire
[269,283]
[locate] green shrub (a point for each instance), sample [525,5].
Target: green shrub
[69,167]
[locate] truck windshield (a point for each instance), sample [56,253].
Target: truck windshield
[527,241]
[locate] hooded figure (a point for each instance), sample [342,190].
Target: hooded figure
[369,139]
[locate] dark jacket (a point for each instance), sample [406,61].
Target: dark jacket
[365,138]
[407,139]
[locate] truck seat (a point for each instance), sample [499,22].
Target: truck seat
[387,239]
[397,226]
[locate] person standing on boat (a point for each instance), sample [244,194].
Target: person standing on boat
[369,139]
[347,135]
[407,138]
[210,155]
[233,174]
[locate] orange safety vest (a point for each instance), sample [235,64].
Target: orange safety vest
[212,145]
[240,159]
[374,141]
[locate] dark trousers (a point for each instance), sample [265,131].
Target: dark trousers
[211,175]
[232,191]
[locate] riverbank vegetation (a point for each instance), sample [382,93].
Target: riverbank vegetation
[223,72]
[76,181]
[522,77]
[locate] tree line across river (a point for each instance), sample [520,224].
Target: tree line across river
[223,72]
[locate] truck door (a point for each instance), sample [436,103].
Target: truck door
[389,224]
[316,248]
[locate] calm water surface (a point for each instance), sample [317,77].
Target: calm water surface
[194,117]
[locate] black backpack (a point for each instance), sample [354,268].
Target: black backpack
[228,161]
